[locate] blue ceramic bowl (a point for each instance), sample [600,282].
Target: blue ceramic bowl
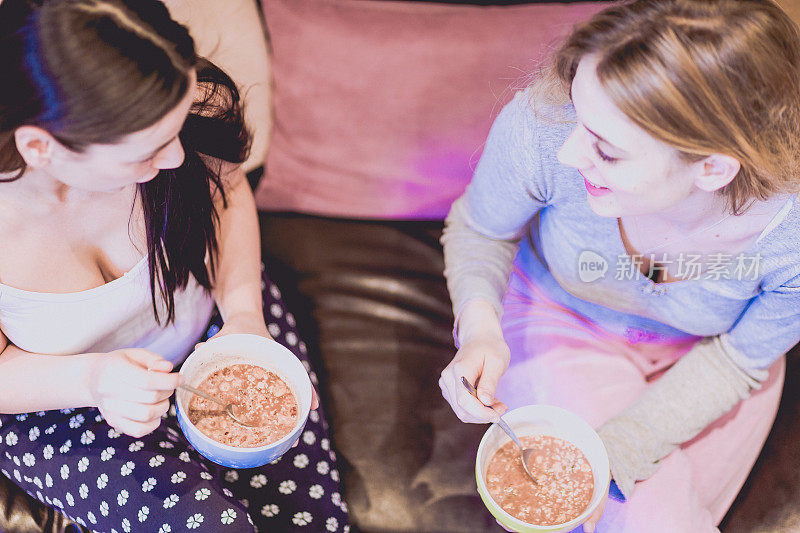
[243,349]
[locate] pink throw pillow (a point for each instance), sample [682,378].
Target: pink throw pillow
[381,108]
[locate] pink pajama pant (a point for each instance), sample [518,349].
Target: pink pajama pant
[560,358]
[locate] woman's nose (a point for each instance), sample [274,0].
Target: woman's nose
[171,156]
[573,153]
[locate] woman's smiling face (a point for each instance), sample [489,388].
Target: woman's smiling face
[627,172]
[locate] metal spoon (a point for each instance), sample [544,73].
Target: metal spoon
[227,407]
[525,453]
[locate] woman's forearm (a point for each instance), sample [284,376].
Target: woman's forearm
[35,382]
[701,387]
[237,283]
[478,319]
[476,267]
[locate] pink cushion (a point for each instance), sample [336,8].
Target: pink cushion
[381,108]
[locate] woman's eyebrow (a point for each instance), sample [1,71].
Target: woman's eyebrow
[154,152]
[604,140]
[612,145]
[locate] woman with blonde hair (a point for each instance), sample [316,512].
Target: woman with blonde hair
[645,231]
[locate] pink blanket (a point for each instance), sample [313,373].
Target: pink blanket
[560,358]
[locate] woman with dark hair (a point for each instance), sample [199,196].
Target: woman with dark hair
[124,218]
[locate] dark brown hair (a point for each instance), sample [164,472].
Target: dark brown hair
[93,71]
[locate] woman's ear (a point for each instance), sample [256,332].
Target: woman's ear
[35,145]
[716,171]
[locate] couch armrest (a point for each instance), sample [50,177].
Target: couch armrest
[231,35]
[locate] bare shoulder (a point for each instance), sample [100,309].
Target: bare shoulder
[15,222]
[12,216]
[231,176]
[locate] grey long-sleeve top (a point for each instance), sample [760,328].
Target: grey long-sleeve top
[747,306]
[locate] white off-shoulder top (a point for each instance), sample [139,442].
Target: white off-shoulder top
[118,314]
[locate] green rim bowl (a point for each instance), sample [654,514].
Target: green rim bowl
[555,422]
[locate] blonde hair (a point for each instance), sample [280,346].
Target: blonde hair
[704,76]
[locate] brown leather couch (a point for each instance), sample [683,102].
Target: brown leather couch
[372,304]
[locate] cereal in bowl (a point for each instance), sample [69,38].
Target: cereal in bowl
[260,397]
[564,476]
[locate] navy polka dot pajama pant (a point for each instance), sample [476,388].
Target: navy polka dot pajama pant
[73,461]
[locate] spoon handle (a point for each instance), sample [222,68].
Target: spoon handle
[200,393]
[500,422]
[505,427]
